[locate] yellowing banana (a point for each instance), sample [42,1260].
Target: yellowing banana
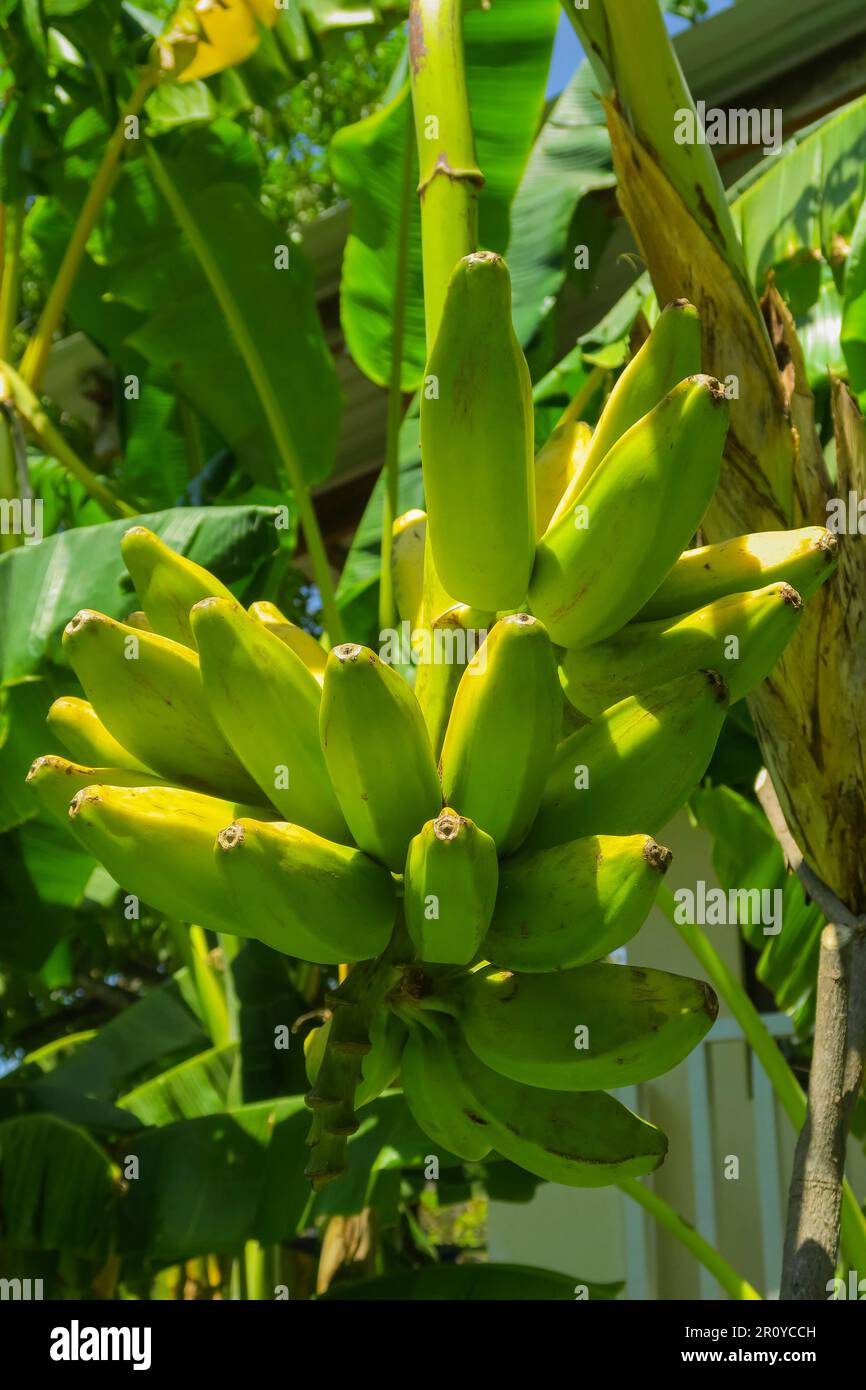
[266,702]
[157,842]
[56,781]
[635,766]
[742,636]
[409,534]
[590,1029]
[671,352]
[167,583]
[598,565]
[803,559]
[210,35]
[302,643]
[575,902]
[83,734]
[449,889]
[378,753]
[558,464]
[502,731]
[304,895]
[477,428]
[437,1097]
[147,690]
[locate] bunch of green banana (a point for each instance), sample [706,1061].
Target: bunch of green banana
[580,1140]
[232,774]
[477,430]
[742,635]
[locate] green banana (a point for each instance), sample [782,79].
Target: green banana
[573,903]
[585,1139]
[450,886]
[378,753]
[304,895]
[408,536]
[635,766]
[590,1029]
[83,734]
[266,702]
[157,842]
[803,558]
[453,639]
[477,427]
[167,583]
[503,729]
[671,353]
[56,780]
[437,1097]
[147,690]
[598,565]
[558,465]
[302,643]
[743,635]
[380,1067]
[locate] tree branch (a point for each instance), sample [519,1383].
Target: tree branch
[835,1076]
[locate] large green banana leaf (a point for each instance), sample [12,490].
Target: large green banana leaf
[198,1086]
[57,1189]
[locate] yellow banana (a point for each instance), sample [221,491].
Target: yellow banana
[578,1139]
[477,429]
[449,889]
[304,895]
[636,765]
[803,559]
[266,702]
[445,650]
[157,842]
[167,583]
[558,464]
[437,1098]
[573,903]
[380,1067]
[83,734]
[407,565]
[378,753]
[590,1029]
[207,36]
[148,692]
[671,352]
[503,729]
[598,565]
[56,781]
[742,635]
[302,643]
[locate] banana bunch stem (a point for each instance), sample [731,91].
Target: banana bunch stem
[332,1098]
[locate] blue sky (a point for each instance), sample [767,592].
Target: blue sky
[567,52]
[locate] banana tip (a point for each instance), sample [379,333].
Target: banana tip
[714,388]
[447,825]
[347,651]
[828,542]
[789,595]
[657,856]
[231,837]
[710,1001]
[82,798]
[679,304]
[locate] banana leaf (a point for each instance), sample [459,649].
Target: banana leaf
[198,1086]
[57,1189]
